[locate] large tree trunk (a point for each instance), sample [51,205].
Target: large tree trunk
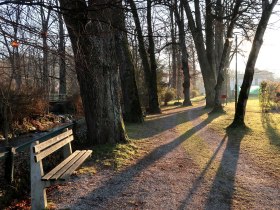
[184,56]
[250,67]
[132,111]
[93,42]
[208,74]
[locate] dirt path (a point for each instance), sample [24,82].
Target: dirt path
[167,177]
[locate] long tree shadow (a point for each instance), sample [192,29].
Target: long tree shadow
[162,123]
[272,133]
[117,184]
[222,190]
[198,181]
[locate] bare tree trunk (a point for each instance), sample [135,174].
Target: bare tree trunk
[153,95]
[209,35]
[208,73]
[17,70]
[173,47]
[62,63]
[194,73]
[250,67]
[219,34]
[184,55]
[132,111]
[16,62]
[224,59]
[149,67]
[45,79]
[93,42]
[45,76]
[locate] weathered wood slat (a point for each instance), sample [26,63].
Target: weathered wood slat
[58,167]
[39,180]
[52,141]
[66,167]
[76,164]
[53,148]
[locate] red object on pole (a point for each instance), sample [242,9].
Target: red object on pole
[14,44]
[223,96]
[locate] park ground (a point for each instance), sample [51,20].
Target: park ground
[183,158]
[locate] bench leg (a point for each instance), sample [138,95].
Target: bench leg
[38,198]
[38,191]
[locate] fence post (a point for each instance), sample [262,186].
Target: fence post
[9,165]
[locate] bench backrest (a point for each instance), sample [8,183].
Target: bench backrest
[51,145]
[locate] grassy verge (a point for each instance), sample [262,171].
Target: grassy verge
[111,156]
[262,142]
[195,99]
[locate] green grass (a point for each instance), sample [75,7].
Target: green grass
[198,99]
[114,155]
[195,99]
[262,142]
[201,154]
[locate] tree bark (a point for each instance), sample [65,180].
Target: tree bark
[209,35]
[184,56]
[132,111]
[250,67]
[45,77]
[153,92]
[149,67]
[208,73]
[62,58]
[173,48]
[219,33]
[224,58]
[93,41]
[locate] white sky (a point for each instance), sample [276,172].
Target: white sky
[269,56]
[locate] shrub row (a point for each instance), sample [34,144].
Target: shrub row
[270,96]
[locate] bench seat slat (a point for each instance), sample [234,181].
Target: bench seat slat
[48,143]
[76,164]
[67,165]
[53,148]
[58,167]
[64,165]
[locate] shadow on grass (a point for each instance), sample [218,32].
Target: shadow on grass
[118,183]
[198,181]
[222,189]
[271,132]
[162,123]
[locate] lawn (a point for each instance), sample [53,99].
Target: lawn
[262,140]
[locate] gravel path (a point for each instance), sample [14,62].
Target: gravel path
[166,177]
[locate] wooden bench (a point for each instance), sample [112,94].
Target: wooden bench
[40,180]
